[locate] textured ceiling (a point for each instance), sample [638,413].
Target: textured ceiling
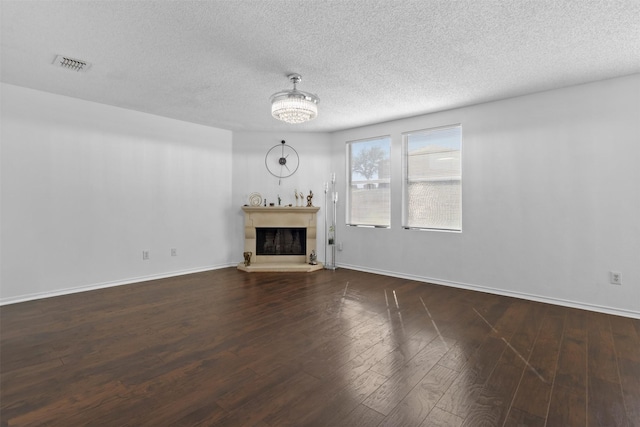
[217,62]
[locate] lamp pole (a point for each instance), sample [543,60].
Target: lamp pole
[332,227]
[326,215]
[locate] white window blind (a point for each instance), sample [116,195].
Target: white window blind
[369,178]
[432,182]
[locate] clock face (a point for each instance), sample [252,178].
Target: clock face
[282,160]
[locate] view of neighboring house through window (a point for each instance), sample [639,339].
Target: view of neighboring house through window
[368,191]
[432,179]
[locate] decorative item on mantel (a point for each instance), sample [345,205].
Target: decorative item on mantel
[309,199]
[255,199]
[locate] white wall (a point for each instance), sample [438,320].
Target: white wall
[250,175]
[551,196]
[87,187]
[551,200]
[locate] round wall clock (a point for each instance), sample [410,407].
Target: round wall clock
[282,161]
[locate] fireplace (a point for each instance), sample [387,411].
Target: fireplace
[280,238]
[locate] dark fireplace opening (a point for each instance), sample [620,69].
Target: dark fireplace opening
[281,241]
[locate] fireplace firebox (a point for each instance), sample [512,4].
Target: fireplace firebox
[281,241]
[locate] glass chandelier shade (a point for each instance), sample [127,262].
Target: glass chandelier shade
[294,106]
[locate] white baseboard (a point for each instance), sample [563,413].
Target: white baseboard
[489,290]
[129,281]
[479,288]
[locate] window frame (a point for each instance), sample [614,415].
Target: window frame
[405,178]
[348,198]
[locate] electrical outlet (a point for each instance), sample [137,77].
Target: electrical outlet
[340,246]
[615,278]
[145,255]
[174,252]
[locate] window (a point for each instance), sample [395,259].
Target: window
[432,179]
[368,191]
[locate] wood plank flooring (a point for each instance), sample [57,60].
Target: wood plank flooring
[331,348]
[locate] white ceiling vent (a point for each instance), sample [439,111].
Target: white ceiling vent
[71,64]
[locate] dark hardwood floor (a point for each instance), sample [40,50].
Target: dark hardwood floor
[331,348]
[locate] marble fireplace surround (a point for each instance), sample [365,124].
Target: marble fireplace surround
[279,217]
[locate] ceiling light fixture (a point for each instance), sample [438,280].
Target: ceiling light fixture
[294,106]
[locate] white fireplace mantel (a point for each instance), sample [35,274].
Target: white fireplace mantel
[285,217]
